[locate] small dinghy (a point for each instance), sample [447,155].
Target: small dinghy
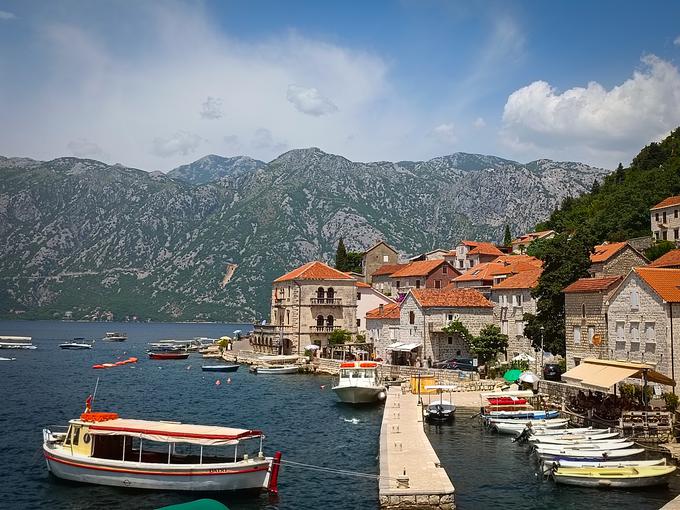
[220,368]
[576,438]
[168,355]
[638,476]
[276,369]
[550,466]
[594,455]
[590,445]
[506,401]
[440,410]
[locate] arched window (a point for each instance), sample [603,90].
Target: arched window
[329,321]
[287,316]
[320,293]
[583,310]
[412,317]
[319,320]
[330,293]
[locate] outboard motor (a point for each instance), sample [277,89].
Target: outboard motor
[524,436]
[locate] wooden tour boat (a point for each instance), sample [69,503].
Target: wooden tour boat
[101,448]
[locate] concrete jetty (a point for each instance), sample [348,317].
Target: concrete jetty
[411,476]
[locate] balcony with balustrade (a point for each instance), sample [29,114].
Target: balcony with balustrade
[326,301]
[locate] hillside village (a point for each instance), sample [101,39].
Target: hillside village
[401,311]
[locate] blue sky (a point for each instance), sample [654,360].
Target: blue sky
[158,84]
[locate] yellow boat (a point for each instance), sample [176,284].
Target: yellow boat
[625,476]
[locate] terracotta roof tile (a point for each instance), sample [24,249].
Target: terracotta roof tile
[389,311]
[524,280]
[667,202]
[363,285]
[665,282]
[419,268]
[604,252]
[314,271]
[519,260]
[532,236]
[592,284]
[483,271]
[485,249]
[670,259]
[450,298]
[388,269]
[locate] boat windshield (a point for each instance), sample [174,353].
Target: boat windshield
[357,373]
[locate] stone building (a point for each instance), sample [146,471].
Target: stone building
[485,275]
[429,274]
[512,299]
[376,256]
[585,314]
[469,254]
[615,259]
[643,316]
[381,278]
[424,312]
[368,299]
[308,304]
[665,220]
[521,244]
[382,328]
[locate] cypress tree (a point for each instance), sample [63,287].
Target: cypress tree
[341,256]
[507,237]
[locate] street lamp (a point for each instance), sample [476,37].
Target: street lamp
[542,350]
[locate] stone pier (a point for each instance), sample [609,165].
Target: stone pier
[411,476]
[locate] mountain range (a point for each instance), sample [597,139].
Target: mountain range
[204,241]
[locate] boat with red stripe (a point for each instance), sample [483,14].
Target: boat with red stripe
[104,449]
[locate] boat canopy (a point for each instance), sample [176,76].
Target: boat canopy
[168,432]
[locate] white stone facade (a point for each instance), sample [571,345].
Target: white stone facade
[367,300]
[665,223]
[510,305]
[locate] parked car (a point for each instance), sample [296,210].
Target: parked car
[458,365]
[552,372]
[440,364]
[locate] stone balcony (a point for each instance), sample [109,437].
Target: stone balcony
[326,301]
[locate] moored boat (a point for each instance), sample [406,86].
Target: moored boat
[625,476]
[527,414]
[277,369]
[607,464]
[557,449]
[114,336]
[101,448]
[566,439]
[594,455]
[359,383]
[515,429]
[220,368]
[168,355]
[7,359]
[506,401]
[16,342]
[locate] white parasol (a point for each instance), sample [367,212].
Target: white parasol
[529,377]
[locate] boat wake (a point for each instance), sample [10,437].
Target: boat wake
[353,421]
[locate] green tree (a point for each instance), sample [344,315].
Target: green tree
[457,327]
[507,237]
[566,258]
[339,336]
[595,188]
[353,261]
[489,343]
[657,249]
[341,256]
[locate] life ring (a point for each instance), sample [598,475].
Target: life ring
[86,438]
[96,417]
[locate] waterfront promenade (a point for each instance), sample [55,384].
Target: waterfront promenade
[410,473]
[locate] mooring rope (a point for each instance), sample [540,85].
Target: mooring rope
[336,471]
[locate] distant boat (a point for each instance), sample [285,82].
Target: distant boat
[16,342]
[77,344]
[168,355]
[220,368]
[277,369]
[7,359]
[114,336]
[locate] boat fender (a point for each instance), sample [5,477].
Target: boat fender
[382,396]
[272,486]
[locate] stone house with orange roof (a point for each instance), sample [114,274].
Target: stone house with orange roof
[585,317]
[423,314]
[382,328]
[381,281]
[307,305]
[615,258]
[430,274]
[469,254]
[643,315]
[521,244]
[512,299]
[669,260]
[665,220]
[368,299]
[377,256]
[487,274]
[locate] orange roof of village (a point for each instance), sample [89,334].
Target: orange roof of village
[531,236]
[519,260]
[669,259]
[450,298]
[485,249]
[314,271]
[667,202]
[488,270]
[665,282]
[389,311]
[388,269]
[592,284]
[363,285]
[604,252]
[419,268]
[524,280]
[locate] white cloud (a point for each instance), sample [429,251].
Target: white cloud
[445,134]
[591,122]
[263,139]
[310,101]
[212,108]
[479,123]
[82,148]
[181,142]
[677,41]
[4,15]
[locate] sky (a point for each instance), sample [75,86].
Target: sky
[154,85]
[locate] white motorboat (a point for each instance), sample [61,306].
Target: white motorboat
[101,448]
[576,438]
[277,369]
[114,336]
[556,449]
[359,383]
[509,428]
[440,410]
[622,477]
[603,455]
[575,431]
[7,359]
[605,464]
[16,342]
[77,344]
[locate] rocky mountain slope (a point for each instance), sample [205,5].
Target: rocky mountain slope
[205,240]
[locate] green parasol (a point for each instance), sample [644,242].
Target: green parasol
[512,375]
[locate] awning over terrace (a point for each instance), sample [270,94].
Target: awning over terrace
[600,374]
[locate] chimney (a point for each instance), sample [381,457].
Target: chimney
[382,308]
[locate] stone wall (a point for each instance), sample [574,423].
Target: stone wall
[619,264]
[382,332]
[375,258]
[595,317]
[442,346]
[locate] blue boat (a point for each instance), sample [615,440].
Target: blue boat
[521,415]
[220,368]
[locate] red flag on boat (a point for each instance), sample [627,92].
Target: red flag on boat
[88,404]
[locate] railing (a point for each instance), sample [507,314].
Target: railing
[279,302]
[326,301]
[324,329]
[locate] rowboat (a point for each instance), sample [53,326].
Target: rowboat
[552,423]
[277,369]
[527,414]
[359,383]
[78,343]
[640,476]
[582,430]
[515,429]
[594,455]
[607,464]
[220,368]
[575,438]
[557,449]
[506,401]
[168,355]
[101,448]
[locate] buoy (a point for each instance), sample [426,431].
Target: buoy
[323,386]
[188,367]
[218,382]
[228,380]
